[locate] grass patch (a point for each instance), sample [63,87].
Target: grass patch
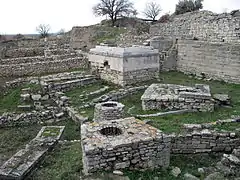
[10,100]
[76,93]
[71,130]
[105,33]
[51,132]
[64,163]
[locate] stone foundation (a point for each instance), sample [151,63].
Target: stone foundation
[169,97]
[108,111]
[132,77]
[125,66]
[204,141]
[124,143]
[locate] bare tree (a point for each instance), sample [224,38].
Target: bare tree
[114,9]
[43,30]
[152,10]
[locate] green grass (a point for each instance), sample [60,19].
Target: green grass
[50,132]
[64,163]
[71,130]
[105,33]
[173,123]
[75,93]
[10,101]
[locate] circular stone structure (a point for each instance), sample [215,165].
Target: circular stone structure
[108,111]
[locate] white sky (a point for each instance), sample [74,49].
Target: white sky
[22,16]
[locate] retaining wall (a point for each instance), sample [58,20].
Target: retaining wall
[204,141]
[219,61]
[203,25]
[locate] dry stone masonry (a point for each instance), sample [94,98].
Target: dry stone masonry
[109,110]
[202,25]
[125,66]
[200,43]
[29,118]
[170,96]
[41,57]
[204,141]
[123,143]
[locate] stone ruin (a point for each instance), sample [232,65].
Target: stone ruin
[123,143]
[171,96]
[125,66]
[26,159]
[108,111]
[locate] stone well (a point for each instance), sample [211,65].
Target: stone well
[123,143]
[172,96]
[108,111]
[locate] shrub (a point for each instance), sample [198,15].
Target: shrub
[184,6]
[164,18]
[18,36]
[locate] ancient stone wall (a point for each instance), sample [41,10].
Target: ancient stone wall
[203,25]
[33,117]
[69,84]
[170,96]
[42,67]
[132,77]
[216,60]
[23,52]
[204,141]
[123,143]
[80,37]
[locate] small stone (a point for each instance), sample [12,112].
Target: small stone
[117,172]
[221,97]
[59,115]
[45,97]
[64,98]
[201,170]
[155,178]
[188,176]
[25,96]
[232,158]
[36,97]
[232,135]
[176,171]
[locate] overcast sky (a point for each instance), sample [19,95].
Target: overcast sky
[22,16]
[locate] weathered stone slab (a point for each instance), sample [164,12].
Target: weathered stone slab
[20,164]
